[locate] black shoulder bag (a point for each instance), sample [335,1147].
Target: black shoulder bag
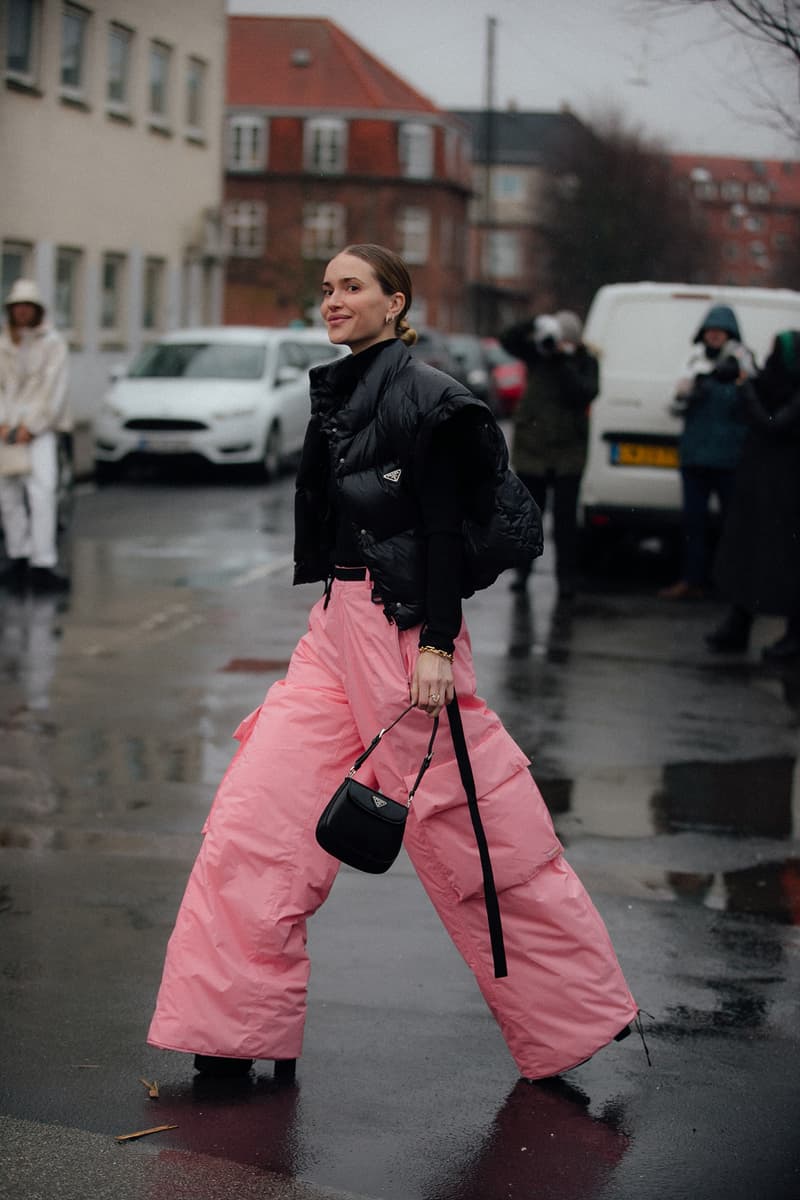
[364,828]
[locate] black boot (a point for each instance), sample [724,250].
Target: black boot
[45,579]
[15,575]
[222,1068]
[734,632]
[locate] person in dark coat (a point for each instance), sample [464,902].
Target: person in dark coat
[713,434]
[551,427]
[758,560]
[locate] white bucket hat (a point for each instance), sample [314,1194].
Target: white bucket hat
[24,291]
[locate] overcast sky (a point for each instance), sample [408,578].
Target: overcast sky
[684,78]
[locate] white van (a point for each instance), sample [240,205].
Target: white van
[642,334]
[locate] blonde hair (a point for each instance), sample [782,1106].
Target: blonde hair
[393,276]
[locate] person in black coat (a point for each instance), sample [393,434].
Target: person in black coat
[758,560]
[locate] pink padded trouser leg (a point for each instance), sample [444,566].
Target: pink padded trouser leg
[236,972]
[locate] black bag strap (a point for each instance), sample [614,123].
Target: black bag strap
[426,762]
[489,890]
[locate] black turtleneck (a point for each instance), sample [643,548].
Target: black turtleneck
[441,510]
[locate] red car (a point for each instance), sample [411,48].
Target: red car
[509,374]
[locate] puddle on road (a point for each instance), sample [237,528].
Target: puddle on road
[758,797]
[727,802]
[770,889]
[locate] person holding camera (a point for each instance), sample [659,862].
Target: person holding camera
[551,428]
[708,398]
[33,411]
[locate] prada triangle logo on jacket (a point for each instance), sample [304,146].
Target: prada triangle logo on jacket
[393,476]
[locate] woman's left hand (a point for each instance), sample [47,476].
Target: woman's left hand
[432,684]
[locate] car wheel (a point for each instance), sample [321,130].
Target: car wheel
[272,461]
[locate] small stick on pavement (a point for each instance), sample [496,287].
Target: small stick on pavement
[129,1137]
[152,1088]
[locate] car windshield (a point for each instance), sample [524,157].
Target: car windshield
[199,360]
[466,350]
[497,355]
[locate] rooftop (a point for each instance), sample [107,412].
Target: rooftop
[309,62]
[521,138]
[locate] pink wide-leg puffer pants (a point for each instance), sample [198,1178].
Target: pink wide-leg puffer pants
[236,971]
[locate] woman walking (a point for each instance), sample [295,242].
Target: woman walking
[394,510]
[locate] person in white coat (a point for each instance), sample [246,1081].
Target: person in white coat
[33,412]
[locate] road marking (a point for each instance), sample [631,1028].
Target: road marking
[263,571]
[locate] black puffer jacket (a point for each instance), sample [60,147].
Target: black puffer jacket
[380,438]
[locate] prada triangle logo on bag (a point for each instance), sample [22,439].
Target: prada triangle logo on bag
[378,801]
[393,476]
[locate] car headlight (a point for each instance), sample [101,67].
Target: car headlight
[226,414]
[109,409]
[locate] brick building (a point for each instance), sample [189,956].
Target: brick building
[515,155]
[325,145]
[752,211]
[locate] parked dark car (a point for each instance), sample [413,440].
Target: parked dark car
[432,348]
[509,375]
[473,367]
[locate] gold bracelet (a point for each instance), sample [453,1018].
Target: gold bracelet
[448,654]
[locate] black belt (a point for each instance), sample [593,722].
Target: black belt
[349,573]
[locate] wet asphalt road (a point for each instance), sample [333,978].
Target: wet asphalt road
[673,781]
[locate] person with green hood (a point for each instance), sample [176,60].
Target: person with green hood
[708,399]
[757,567]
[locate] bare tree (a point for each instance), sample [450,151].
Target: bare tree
[773,24]
[615,212]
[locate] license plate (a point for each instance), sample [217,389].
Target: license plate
[165,445]
[637,454]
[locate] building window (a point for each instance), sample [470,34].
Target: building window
[415,150]
[68,268]
[502,257]
[158,83]
[451,152]
[507,185]
[413,234]
[15,264]
[23,25]
[245,229]
[758,193]
[195,96]
[120,42]
[112,283]
[730,251]
[731,189]
[247,143]
[418,313]
[74,24]
[705,190]
[325,145]
[323,229]
[153,294]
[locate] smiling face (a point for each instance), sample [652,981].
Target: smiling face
[355,308]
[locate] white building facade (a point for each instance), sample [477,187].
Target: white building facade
[111,131]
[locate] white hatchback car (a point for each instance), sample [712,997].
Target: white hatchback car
[230,394]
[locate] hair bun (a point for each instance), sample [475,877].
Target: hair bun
[407,335]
